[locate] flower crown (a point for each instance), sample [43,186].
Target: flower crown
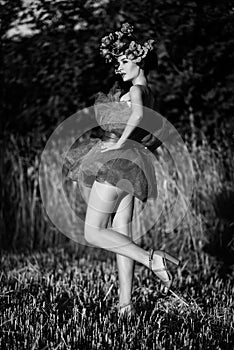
[113,45]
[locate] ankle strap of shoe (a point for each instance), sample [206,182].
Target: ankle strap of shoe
[151,253]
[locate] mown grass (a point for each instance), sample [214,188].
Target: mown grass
[59,300]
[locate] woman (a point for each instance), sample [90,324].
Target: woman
[124,166]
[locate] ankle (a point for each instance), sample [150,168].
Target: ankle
[124,300]
[125,295]
[125,305]
[155,261]
[127,309]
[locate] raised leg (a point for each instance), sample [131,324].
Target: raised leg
[103,201]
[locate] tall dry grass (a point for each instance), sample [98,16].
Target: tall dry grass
[25,224]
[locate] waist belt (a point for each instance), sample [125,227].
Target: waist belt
[108,135]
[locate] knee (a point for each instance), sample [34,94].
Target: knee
[91,233]
[122,224]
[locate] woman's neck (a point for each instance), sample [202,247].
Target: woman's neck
[140,79]
[144,83]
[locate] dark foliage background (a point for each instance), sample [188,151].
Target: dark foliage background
[50,74]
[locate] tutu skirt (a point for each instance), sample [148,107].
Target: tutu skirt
[129,168]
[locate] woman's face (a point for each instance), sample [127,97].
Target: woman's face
[126,68]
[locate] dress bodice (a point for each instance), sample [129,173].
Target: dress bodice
[112,115]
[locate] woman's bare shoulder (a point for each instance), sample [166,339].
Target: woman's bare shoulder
[125,97]
[136,94]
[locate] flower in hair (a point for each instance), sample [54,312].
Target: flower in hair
[116,44]
[126,28]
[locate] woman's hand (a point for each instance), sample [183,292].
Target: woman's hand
[113,147]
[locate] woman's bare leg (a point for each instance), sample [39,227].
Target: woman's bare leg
[102,202]
[86,193]
[122,223]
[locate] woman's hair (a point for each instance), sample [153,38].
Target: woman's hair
[149,63]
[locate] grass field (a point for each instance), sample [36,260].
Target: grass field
[67,297]
[59,300]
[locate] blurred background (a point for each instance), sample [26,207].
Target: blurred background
[51,68]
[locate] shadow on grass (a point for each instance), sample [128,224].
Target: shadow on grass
[221,236]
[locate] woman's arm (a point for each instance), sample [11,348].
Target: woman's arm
[134,119]
[136,115]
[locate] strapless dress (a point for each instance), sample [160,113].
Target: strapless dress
[130,168]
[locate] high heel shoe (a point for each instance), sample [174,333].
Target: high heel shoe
[127,310]
[166,283]
[165,256]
